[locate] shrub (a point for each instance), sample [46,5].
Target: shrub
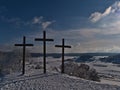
[38,66]
[82,71]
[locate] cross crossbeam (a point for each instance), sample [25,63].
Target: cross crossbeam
[63,46]
[39,39]
[44,39]
[24,50]
[23,44]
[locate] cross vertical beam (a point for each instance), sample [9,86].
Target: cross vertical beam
[63,46]
[63,52]
[44,39]
[24,50]
[44,50]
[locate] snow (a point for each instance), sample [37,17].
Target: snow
[105,81]
[53,81]
[34,79]
[110,72]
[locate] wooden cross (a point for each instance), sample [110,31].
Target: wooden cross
[63,46]
[44,39]
[24,50]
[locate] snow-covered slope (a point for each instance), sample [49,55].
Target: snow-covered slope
[52,81]
[34,79]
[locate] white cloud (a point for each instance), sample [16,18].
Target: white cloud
[95,16]
[46,24]
[107,11]
[41,22]
[107,25]
[103,38]
[37,20]
[111,10]
[83,40]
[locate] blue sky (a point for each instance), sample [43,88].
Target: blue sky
[87,25]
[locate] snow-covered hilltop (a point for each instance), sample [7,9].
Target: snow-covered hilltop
[34,79]
[52,81]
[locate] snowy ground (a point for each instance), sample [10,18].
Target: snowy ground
[110,73]
[51,81]
[34,79]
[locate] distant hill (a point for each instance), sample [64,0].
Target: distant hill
[84,58]
[73,54]
[112,59]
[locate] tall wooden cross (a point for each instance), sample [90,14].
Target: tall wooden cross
[24,50]
[44,39]
[63,46]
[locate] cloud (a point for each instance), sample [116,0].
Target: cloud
[108,22]
[105,37]
[41,22]
[37,20]
[46,24]
[97,15]
[82,40]
[111,10]
[107,28]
